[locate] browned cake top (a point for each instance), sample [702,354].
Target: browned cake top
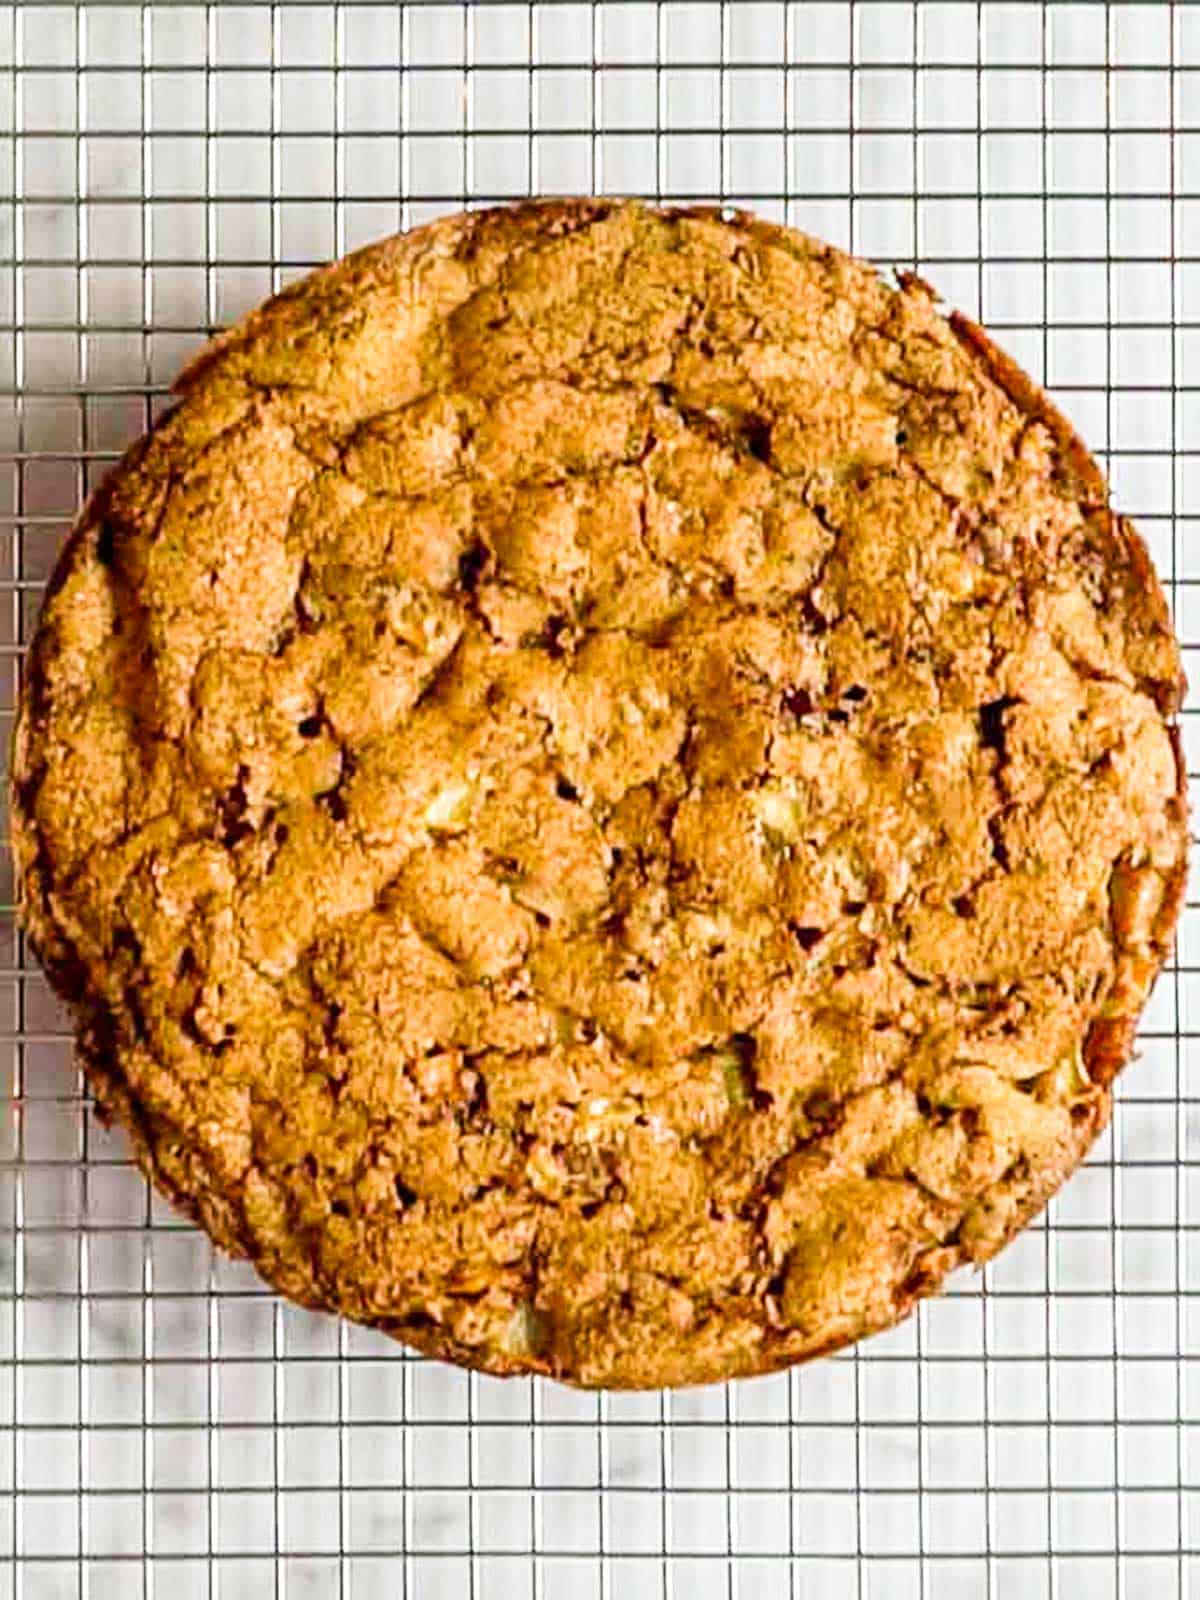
[602,791]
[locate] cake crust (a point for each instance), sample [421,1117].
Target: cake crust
[603,793]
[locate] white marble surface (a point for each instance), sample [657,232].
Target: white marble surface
[170,1428]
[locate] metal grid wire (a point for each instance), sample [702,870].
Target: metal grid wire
[172,1429]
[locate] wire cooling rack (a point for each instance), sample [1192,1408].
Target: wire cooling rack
[173,1430]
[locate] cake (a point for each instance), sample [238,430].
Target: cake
[602,791]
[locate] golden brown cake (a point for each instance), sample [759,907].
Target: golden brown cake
[602,792]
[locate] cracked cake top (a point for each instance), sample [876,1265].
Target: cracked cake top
[602,791]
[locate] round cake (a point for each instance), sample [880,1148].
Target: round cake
[602,790]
